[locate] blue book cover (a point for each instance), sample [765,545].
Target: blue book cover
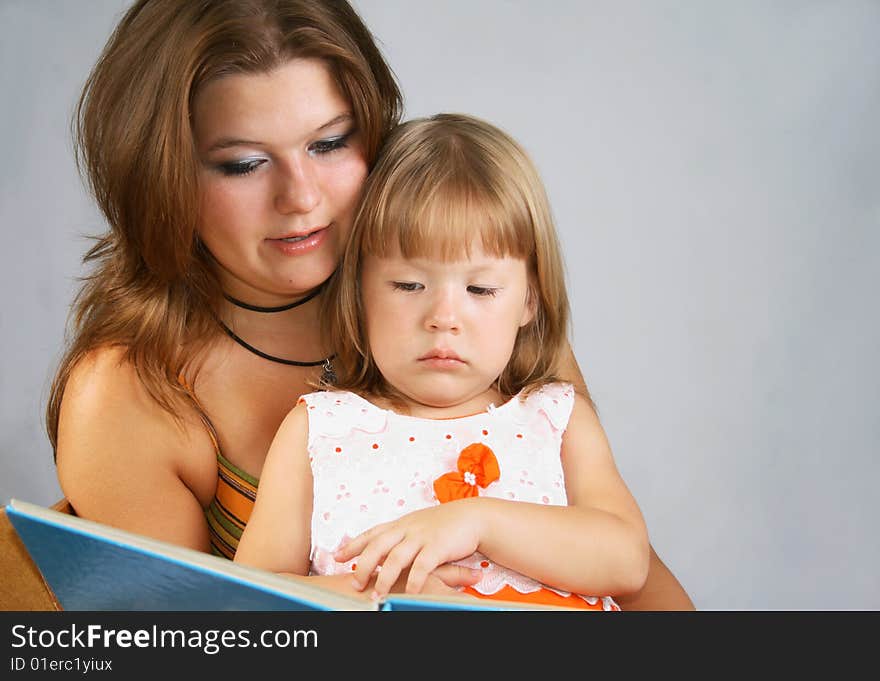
[92,566]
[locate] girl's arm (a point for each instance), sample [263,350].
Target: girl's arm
[596,545]
[278,534]
[662,591]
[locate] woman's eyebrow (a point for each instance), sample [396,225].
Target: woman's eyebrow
[227,142]
[347,116]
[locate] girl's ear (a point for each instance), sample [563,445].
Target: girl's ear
[530,306]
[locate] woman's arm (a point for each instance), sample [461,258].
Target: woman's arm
[662,591]
[122,460]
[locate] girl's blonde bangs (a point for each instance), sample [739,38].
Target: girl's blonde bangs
[443,210]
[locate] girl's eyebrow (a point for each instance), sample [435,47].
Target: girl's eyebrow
[227,142]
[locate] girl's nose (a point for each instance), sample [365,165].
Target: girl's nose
[443,314]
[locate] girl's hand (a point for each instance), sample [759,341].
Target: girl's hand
[421,541]
[441,581]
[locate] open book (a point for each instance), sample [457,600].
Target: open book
[91,566]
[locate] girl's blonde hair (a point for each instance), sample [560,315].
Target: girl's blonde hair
[153,285]
[438,184]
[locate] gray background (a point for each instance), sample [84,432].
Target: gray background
[713,167]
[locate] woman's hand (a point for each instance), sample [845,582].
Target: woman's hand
[445,579]
[422,541]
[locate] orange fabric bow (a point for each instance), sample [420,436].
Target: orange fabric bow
[477,466]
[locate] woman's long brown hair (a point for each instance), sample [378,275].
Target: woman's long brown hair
[151,287]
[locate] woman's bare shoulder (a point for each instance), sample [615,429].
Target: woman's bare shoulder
[124,460]
[99,376]
[104,393]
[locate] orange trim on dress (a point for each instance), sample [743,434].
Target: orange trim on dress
[540,597]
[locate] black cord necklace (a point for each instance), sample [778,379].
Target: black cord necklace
[280,308]
[327,375]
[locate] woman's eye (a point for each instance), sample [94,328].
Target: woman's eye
[406,285]
[329,145]
[482,290]
[245,167]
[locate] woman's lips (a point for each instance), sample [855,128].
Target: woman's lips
[301,244]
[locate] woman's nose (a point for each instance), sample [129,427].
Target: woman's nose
[298,190]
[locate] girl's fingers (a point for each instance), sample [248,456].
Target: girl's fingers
[374,554]
[422,566]
[355,545]
[347,551]
[396,561]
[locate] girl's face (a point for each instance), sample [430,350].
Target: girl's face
[442,332]
[282,168]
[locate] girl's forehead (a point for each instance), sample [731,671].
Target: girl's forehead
[444,249]
[477,261]
[451,241]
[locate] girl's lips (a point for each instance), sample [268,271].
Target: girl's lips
[308,244]
[437,362]
[440,353]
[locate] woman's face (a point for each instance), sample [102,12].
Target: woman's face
[281,171]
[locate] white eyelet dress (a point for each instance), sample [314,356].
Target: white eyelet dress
[371,465]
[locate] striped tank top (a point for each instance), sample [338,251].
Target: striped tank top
[230,508]
[233,502]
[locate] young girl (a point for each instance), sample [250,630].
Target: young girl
[448,438]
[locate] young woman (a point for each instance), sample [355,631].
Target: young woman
[226,144]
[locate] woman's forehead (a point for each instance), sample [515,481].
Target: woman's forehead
[296,100]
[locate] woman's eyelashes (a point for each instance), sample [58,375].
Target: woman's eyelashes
[243,167]
[322,147]
[330,144]
[408,286]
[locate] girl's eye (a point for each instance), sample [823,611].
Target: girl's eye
[406,285]
[238,168]
[329,145]
[482,290]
